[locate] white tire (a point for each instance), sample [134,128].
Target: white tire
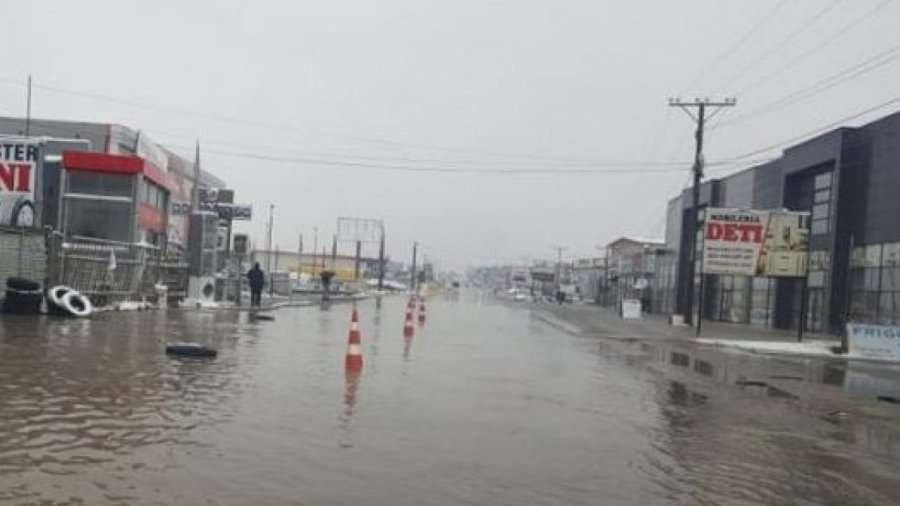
[55,295]
[77,304]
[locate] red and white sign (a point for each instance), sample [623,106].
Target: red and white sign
[18,159]
[755,243]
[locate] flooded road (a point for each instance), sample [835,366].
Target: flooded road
[485,405]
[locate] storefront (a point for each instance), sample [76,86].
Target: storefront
[113,198]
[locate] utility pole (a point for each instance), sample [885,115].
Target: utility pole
[300,258]
[315,249]
[412,275]
[356,265]
[381,262]
[269,239]
[700,119]
[559,252]
[28,109]
[334,252]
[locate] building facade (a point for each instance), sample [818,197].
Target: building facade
[848,179]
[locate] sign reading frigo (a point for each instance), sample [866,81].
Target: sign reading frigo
[755,243]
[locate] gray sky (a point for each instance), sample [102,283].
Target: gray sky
[349,96]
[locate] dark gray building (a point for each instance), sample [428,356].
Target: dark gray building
[849,180]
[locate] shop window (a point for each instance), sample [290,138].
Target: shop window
[97,183]
[823,181]
[819,227]
[890,254]
[873,255]
[817,279]
[99,219]
[820,211]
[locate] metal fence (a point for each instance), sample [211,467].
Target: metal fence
[108,271]
[23,254]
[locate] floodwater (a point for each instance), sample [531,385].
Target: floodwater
[485,405]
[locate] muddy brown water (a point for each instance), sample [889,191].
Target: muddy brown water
[485,405]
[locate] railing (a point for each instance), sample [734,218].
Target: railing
[110,271]
[23,254]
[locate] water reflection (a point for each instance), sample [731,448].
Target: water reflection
[79,392]
[352,380]
[407,347]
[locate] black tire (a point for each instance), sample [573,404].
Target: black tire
[22,284]
[190,350]
[22,303]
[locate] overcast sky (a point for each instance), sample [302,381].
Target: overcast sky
[334,108]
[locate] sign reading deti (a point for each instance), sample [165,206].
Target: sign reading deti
[755,243]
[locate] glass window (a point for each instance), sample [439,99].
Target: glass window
[818,260]
[819,227]
[858,257]
[857,276]
[823,180]
[817,279]
[99,219]
[823,196]
[888,308]
[873,255]
[820,211]
[871,279]
[890,254]
[99,183]
[890,278]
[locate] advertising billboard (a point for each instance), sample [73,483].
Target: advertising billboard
[18,159]
[743,242]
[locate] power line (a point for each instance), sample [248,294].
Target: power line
[737,44]
[426,169]
[817,47]
[293,128]
[807,135]
[821,86]
[778,46]
[597,163]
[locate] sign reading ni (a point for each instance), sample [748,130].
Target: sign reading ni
[18,158]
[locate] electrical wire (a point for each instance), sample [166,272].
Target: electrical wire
[305,131]
[807,135]
[780,45]
[734,47]
[818,87]
[425,168]
[830,39]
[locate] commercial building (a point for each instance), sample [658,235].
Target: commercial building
[848,179]
[114,204]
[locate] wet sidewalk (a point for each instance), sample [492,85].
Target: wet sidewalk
[604,322]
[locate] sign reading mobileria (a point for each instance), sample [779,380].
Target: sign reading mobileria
[874,341]
[18,158]
[743,242]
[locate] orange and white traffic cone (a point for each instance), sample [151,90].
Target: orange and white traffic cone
[408,328]
[354,360]
[422,312]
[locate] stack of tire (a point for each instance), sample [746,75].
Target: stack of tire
[23,296]
[65,301]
